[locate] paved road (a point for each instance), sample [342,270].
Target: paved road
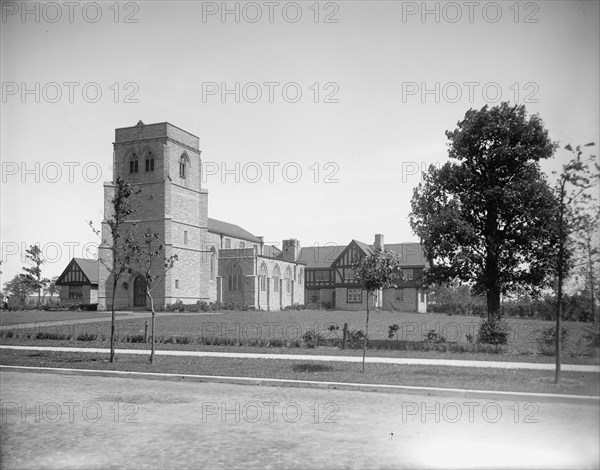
[592,369]
[97,422]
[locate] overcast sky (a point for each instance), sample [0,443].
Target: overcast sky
[338,104]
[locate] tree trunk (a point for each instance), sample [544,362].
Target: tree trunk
[366,334]
[112,321]
[152,328]
[493,302]
[593,300]
[558,315]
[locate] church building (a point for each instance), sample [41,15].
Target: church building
[217,261]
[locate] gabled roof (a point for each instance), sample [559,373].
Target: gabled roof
[363,246]
[235,231]
[411,254]
[271,251]
[320,256]
[88,267]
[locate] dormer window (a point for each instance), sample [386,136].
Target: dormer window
[133,163]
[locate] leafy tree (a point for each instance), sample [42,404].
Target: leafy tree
[483,217]
[375,271]
[33,274]
[18,288]
[570,219]
[117,240]
[53,288]
[588,244]
[150,260]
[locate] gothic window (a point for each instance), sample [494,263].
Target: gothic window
[300,276]
[149,161]
[276,277]
[133,163]
[288,280]
[262,278]
[235,277]
[182,165]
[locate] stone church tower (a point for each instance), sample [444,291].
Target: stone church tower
[162,161]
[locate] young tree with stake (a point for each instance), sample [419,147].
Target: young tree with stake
[149,259]
[375,271]
[116,240]
[570,219]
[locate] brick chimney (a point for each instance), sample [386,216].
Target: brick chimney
[291,249]
[378,245]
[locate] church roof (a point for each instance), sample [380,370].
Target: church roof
[232,230]
[270,251]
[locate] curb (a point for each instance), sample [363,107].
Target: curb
[265,382]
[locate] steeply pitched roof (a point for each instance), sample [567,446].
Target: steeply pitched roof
[366,248]
[271,251]
[411,254]
[89,268]
[235,231]
[320,256]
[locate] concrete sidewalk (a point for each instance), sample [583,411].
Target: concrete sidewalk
[310,357]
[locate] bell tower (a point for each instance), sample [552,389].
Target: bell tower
[163,162]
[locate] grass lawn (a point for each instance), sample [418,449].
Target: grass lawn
[291,325]
[426,376]
[36,316]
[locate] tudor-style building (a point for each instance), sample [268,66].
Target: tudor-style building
[79,282]
[217,261]
[330,279]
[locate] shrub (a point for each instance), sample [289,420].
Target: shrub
[311,339]
[355,338]
[178,340]
[87,337]
[547,340]
[493,331]
[592,337]
[393,331]
[433,337]
[139,338]
[50,335]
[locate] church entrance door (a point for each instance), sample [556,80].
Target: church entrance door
[139,296]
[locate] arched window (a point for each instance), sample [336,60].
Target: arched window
[149,161]
[235,277]
[133,163]
[262,278]
[288,279]
[182,165]
[276,278]
[213,263]
[300,276]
